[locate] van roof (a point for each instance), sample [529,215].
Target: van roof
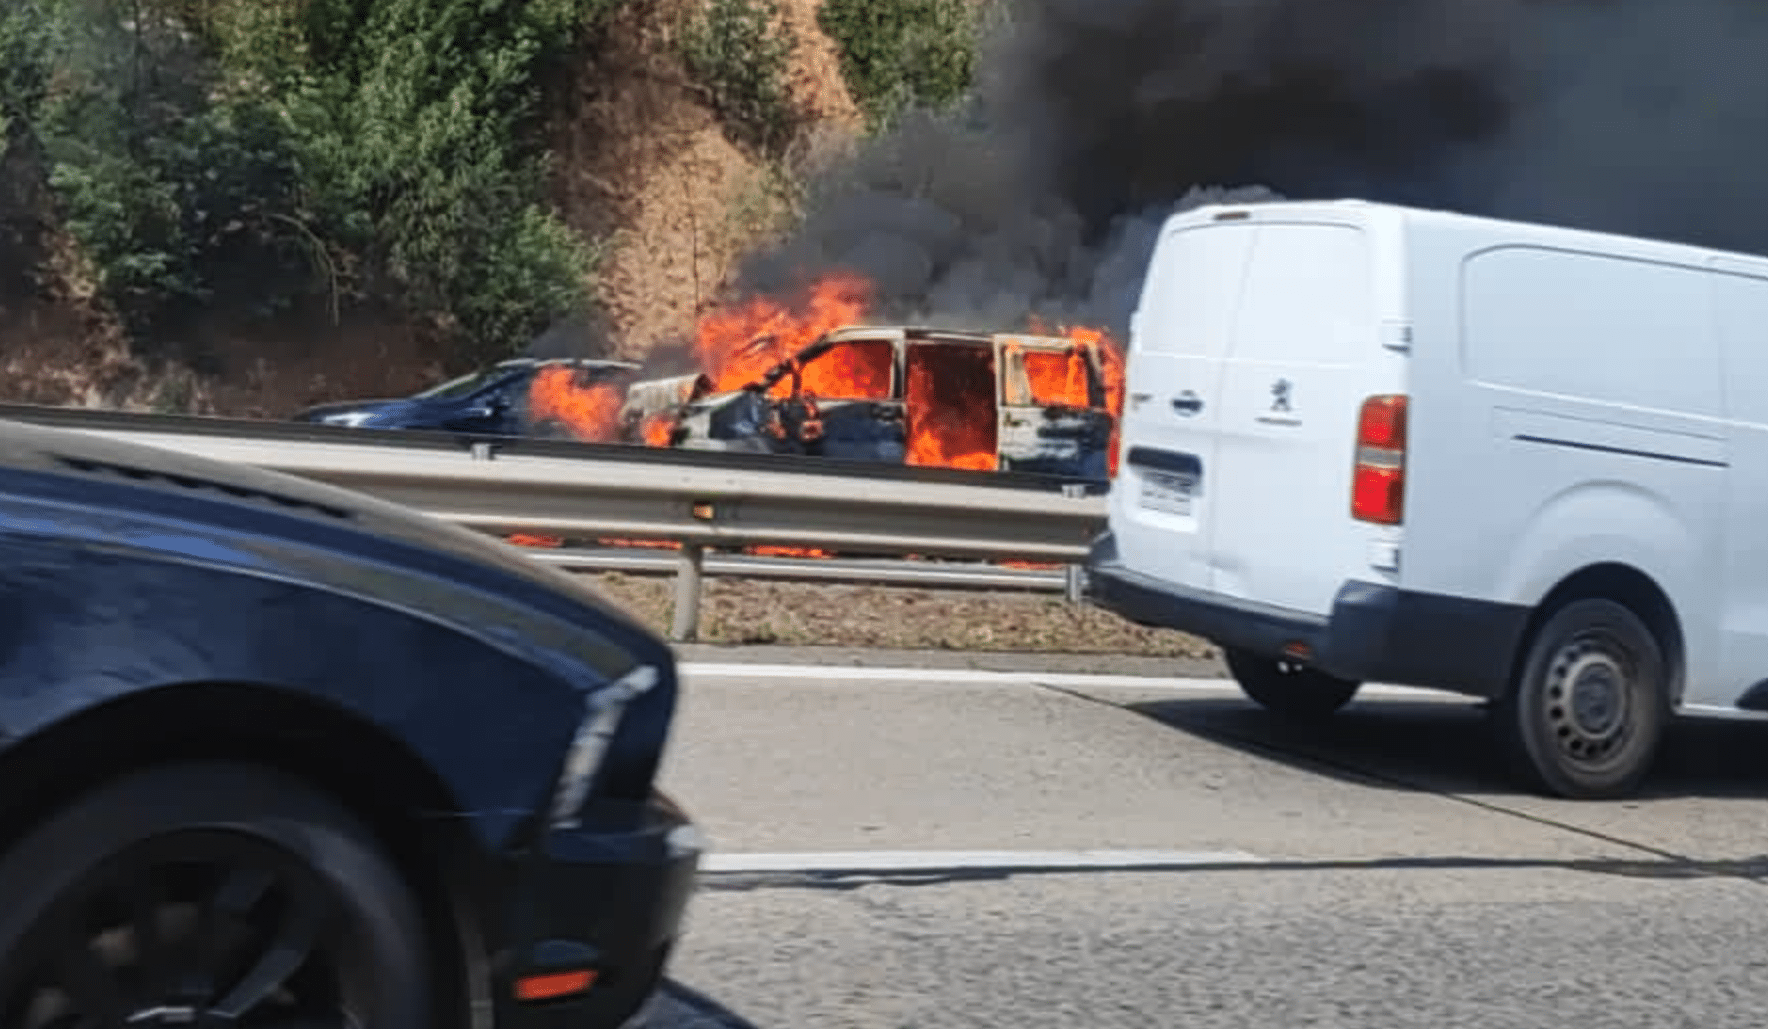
[1369,211]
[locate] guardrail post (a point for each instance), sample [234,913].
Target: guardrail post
[1074,575]
[685,625]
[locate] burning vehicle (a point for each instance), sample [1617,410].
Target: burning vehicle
[906,395]
[559,398]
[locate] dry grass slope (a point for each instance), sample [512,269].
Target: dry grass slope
[640,155]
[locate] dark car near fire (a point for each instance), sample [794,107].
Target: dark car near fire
[493,401]
[277,754]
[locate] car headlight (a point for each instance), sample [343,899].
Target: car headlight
[352,419]
[603,710]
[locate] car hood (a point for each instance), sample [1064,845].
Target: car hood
[69,453]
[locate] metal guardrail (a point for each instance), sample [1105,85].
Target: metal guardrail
[699,500]
[970,575]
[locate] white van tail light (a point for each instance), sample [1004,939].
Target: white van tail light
[1378,483]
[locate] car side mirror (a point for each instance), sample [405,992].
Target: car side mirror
[491,408]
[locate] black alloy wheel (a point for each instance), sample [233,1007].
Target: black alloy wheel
[207,896]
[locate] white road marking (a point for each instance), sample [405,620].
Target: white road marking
[759,674]
[861,862]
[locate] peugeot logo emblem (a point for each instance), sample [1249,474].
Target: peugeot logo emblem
[1280,394]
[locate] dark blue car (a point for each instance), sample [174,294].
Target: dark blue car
[489,402]
[274,753]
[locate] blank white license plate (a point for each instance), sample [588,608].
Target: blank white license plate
[1169,493]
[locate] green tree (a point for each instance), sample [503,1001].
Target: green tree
[254,152]
[739,51]
[897,54]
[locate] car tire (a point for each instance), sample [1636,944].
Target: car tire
[1588,710]
[200,890]
[1288,689]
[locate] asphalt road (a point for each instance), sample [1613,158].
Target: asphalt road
[1379,872]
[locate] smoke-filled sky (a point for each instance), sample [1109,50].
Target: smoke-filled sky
[1097,118]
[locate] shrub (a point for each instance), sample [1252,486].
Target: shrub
[897,54]
[168,189]
[739,51]
[252,152]
[25,44]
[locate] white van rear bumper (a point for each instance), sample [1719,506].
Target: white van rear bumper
[1375,632]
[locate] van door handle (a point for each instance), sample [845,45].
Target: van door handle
[1187,403]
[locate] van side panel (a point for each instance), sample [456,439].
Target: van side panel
[1569,415]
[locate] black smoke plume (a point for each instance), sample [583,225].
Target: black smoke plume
[1095,119]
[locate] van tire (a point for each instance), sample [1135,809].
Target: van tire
[1287,689]
[1600,745]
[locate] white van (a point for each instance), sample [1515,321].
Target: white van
[1366,443]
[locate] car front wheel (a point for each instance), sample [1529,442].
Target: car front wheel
[207,894]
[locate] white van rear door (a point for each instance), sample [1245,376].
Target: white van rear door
[1160,502]
[1304,354]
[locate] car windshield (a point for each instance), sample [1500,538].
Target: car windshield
[464,385]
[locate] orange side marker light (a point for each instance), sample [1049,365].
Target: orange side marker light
[554,985]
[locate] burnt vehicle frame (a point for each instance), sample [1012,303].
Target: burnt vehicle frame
[409,771]
[775,413]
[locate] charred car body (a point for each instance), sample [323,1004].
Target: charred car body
[904,395]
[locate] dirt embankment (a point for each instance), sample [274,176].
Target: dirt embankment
[643,160]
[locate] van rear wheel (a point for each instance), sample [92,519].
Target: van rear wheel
[1286,688]
[1585,717]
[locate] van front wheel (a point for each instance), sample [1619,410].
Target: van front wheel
[1585,717]
[1288,689]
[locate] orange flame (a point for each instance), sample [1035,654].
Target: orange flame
[656,429]
[641,544]
[1112,371]
[523,539]
[1057,380]
[736,345]
[949,390]
[769,550]
[950,418]
[860,370]
[592,413]
[1110,360]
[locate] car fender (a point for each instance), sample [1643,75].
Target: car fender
[87,623]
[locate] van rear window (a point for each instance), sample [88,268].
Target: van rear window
[1192,290]
[1259,292]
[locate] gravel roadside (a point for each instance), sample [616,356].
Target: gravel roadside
[785,622]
